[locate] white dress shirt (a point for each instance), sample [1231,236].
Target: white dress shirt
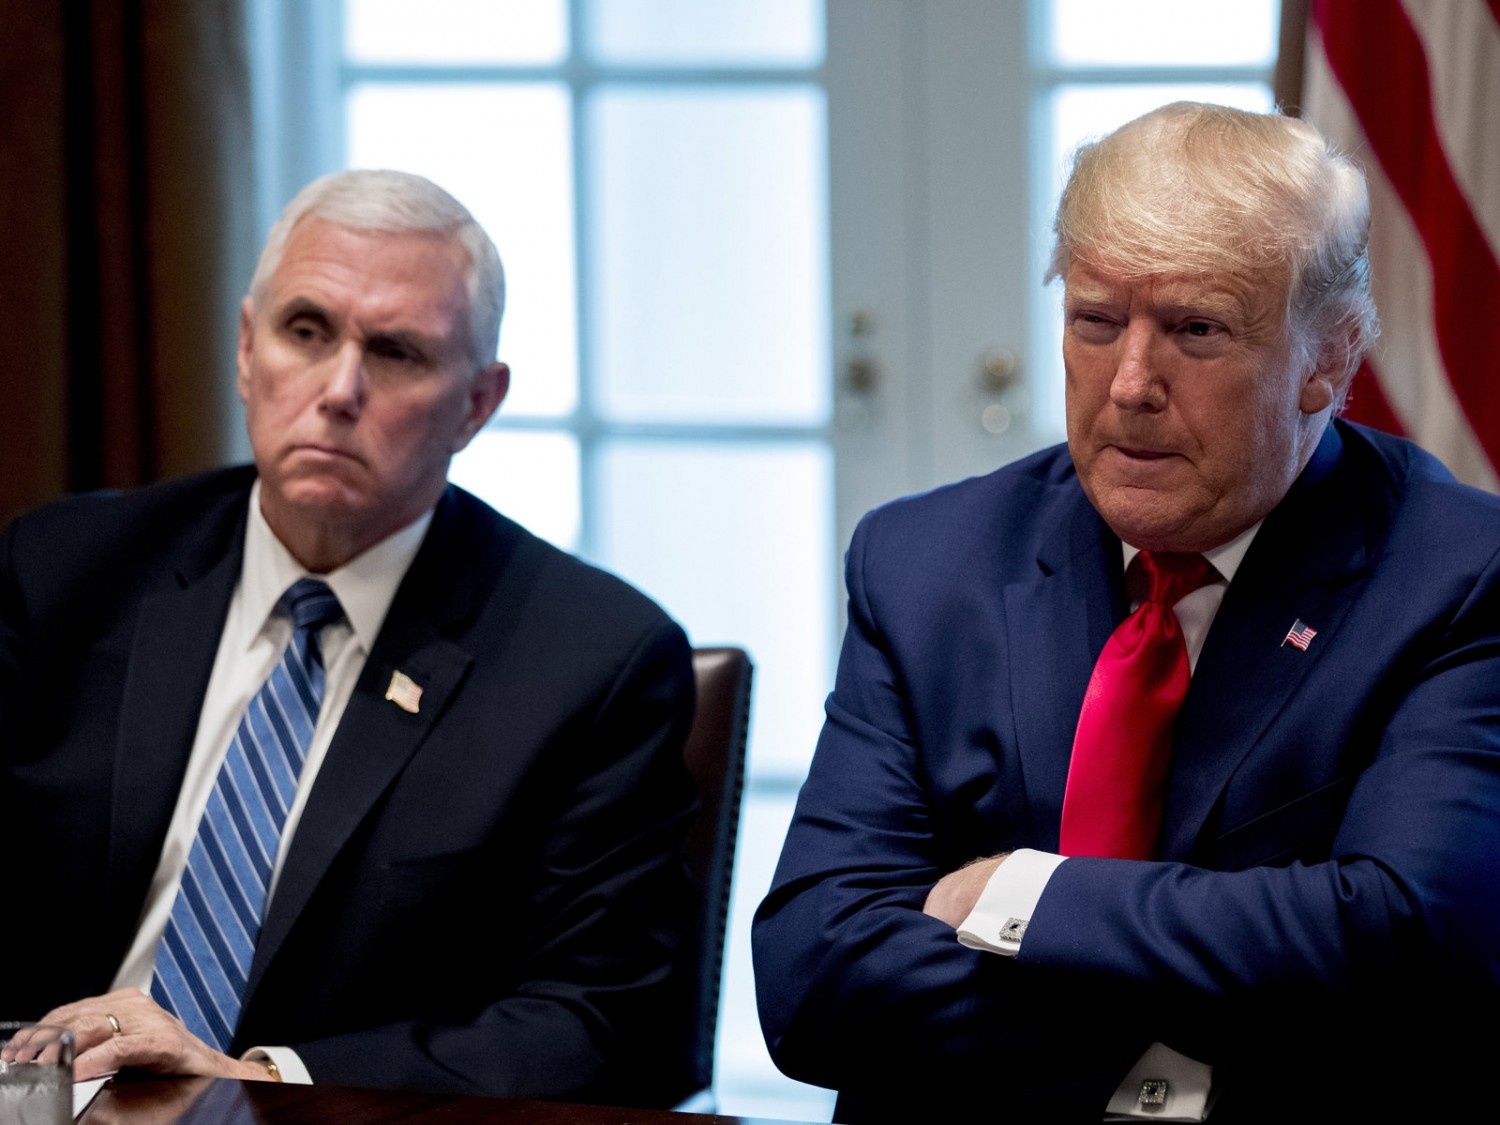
[1015,888]
[250,647]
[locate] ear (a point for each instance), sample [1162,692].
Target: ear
[1317,392]
[490,387]
[1328,380]
[246,346]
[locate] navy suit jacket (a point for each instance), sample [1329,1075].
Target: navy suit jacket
[1329,873]
[482,896]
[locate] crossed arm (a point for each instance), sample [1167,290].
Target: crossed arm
[859,973]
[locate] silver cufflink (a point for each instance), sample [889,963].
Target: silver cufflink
[1013,930]
[1153,1093]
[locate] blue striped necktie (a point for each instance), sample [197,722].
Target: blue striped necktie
[204,957]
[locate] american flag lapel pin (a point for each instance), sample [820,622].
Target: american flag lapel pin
[406,693]
[1299,635]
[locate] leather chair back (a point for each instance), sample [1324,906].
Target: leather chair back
[715,755]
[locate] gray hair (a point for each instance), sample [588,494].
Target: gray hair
[399,203]
[1192,188]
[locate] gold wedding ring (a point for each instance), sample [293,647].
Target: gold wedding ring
[114,1023]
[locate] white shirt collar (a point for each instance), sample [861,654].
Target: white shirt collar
[1226,557]
[365,586]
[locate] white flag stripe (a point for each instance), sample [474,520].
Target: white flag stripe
[1462,41]
[1409,364]
[1407,360]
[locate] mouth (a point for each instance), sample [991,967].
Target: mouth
[330,453]
[1136,453]
[1141,465]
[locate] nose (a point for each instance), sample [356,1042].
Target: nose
[1137,384]
[348,383]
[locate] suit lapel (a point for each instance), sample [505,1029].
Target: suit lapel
[1056,625]
[376,737]
[1304,565]
[172,656]
[374,741]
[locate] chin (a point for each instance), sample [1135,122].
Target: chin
[1152,530]
[325,499]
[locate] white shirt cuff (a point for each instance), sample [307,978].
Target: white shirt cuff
[998,923]
[999,919]
[293,1070]
[1182,1093]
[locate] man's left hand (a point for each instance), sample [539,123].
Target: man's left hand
[149,1038]
[955,894]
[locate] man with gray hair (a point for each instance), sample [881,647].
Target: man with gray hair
[323,769]
[1162,771]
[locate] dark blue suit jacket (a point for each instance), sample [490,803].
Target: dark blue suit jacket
[482,896]
[1329,878]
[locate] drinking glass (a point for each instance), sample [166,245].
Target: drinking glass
[36,1086]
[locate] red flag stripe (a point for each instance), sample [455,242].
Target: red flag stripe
[1407,364]
[1462,44]
[1367,401]
[1374,52]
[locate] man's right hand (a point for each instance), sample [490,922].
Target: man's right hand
[955,894]
[149,1038]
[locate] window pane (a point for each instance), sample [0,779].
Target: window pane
[532,477]
[455,31]
[1163,32]
[664,32]
[747,1082]
[504,151]
[709,280]
[736,542]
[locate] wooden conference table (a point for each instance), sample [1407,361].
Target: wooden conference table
[203,1101]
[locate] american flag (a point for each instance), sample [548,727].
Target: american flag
[404,692]
[1299,634]
[1411,88]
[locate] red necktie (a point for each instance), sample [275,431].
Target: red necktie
[1117,776]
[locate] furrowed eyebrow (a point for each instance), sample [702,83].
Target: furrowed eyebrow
[301,306]
[1088,295]
[410,340]
[406,341]
[1205,304]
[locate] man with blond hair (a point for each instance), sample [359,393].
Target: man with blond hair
[321,769]
[1161,775]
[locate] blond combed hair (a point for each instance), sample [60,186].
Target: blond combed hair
[1194,189]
